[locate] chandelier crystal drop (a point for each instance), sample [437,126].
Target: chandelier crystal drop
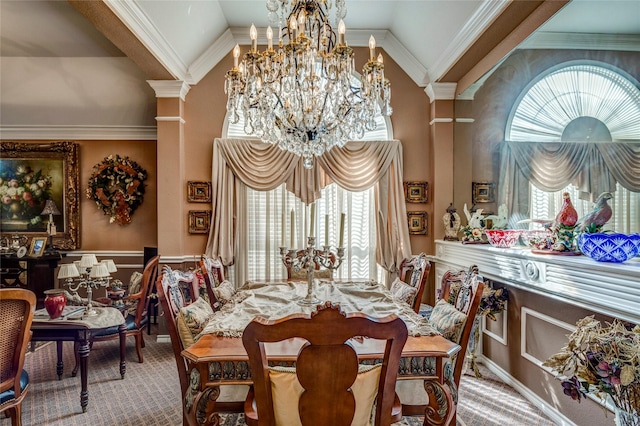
[302,95]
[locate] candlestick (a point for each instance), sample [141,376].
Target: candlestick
[253,33]
[269,38]
[326,229]
[236,55]
[342,29]
[341,230]
[312,227]
[293,228]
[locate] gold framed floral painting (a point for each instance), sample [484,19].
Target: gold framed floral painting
[199,221]
[32,174]
[417,223]
[198,192]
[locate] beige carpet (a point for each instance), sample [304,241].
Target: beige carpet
[149,394]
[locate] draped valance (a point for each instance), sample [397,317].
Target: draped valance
[355,167]
[592,167]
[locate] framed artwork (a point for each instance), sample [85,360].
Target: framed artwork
[198,192]
[416,192]
[30,175]
[483,192]
[199,221]
[417,223]
[38,244]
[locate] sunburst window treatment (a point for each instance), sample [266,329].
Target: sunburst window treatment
[580,125]
[244,163]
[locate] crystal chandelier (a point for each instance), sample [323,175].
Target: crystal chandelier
[301,95]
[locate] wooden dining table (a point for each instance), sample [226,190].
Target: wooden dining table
[218,357]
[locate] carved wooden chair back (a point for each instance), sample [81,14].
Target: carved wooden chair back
[327,365]
[463,289]
[17,307]
[172,298]
[138,314]
[415,271]
[213,274]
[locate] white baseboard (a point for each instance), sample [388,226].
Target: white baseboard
[548,410]
[163,338]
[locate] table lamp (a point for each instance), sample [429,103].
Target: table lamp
[50,209]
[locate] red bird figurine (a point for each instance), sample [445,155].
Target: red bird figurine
[567,216]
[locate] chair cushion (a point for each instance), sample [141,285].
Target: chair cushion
[403,291]
[286,391]
[192,319]
[448,321]
[10,394]
[224,292]
[134,282]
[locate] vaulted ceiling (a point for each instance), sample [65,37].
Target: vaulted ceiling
[91,45]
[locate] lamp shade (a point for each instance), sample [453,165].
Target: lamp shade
[99,271]
[50,208]
[111,265]
[88,260]
[68,270]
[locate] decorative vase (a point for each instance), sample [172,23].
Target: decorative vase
[625,418]
[54,302]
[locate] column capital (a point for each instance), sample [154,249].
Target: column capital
[441,91]
[170,88]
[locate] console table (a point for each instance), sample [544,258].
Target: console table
[33,273]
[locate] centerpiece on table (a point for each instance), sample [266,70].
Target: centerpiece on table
[605,362]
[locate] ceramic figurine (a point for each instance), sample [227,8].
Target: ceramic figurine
[451,221]
[598,217]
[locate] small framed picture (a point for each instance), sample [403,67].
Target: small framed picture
[38,244]
[416,192]
[198,192]
[417,223]
[482,192]
[199,221]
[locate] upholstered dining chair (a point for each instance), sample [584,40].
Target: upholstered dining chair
[17,307]
[329,384]
[412,279]
[453,316]
[213,274]
[184,321]
[137,314]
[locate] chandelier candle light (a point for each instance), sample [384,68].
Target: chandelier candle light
[93,275]
[301,95]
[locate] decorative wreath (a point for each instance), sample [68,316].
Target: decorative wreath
[117,186]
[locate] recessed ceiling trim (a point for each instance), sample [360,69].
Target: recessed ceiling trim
[582,41]
[79,132]
[211,57]
[145,30]
[473,28]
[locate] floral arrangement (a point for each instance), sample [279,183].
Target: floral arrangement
[23,192]
[117,187]
[604,361]
[493,301]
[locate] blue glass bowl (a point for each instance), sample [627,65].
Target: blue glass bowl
[615,248]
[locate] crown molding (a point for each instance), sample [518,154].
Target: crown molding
[79,132]
[144,29]
[582,41]
[212,56]
[170,88]
[488,11]
[409,63]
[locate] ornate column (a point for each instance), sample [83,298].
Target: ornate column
[442,97]
[170,160]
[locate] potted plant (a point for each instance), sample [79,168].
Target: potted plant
[605,362]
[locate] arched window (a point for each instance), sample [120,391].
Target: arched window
[594,106]
[267,221]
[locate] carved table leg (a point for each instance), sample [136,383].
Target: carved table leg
[199,406]
[122,331]
[59,364]
[83,352]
